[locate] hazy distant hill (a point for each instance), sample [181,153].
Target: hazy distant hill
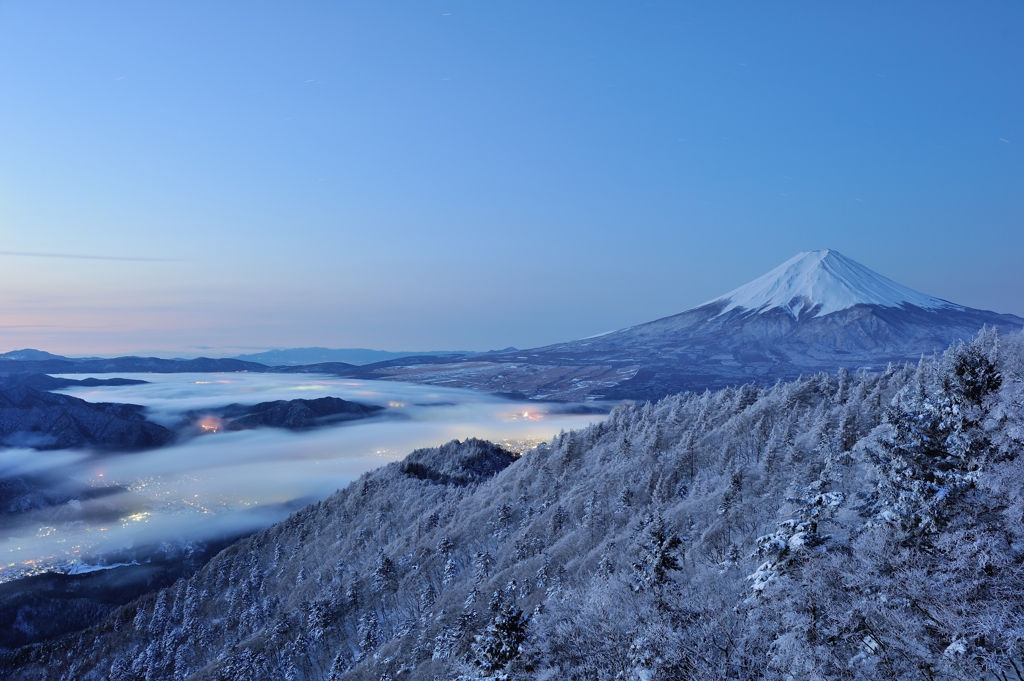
[28,354]
[356,356]
[819,311]
[64,365]
[32,417]
[299,414]
[44,420]
[46,382]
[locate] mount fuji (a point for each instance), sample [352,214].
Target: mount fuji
[817,283]
[818,311]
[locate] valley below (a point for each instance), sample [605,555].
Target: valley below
[250,449]
[223,480]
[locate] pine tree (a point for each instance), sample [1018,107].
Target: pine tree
[427,598]
[368,632]
[445,546]
[318,619]
[338,667]
[934,448]
[503,639]
[385,575]
[482,564]
[657,553]
[451,571]
[796,536]
[120,670]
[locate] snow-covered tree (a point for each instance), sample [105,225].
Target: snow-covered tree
[657,552]
[933,448]
[897,555]
[502,641]
[794,538]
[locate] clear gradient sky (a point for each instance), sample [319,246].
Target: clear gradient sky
[425,175]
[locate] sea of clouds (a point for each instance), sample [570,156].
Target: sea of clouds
[231,482]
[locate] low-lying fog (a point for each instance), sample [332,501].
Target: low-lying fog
[231,482]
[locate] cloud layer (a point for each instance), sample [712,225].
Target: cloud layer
[230,482]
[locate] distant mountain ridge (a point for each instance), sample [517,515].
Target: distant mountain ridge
[28,355]
[354,356]
[818,311]
[55,364]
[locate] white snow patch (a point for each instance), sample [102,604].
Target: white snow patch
[824,281]
[76,568]
[955,649]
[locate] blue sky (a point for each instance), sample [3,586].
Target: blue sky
[424,175]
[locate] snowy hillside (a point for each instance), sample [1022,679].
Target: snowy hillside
[854,526]
[823,282]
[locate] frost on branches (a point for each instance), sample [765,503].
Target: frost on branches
[933,446]
[847,526]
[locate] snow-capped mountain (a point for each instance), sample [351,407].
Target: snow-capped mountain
[817,283]
[818,311]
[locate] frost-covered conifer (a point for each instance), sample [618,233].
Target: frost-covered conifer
[933,449]
[657,552]
[502,640]
[606,566]
[451,571]
[427,597]
[482,564]
[368,632]
[795,537]
[338,667]
[559,519]
[385,575]
[120,670]
[139,622]
[445,546]
[318,619]
[352,595]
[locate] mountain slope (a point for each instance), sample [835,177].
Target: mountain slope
[64,365]
[298,414]
[306,356]
[746,534]
[44,420]
[820,283]
[819,311]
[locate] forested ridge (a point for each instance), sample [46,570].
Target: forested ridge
[847,526]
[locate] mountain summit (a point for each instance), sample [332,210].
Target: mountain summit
[817,283]
[818,311]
